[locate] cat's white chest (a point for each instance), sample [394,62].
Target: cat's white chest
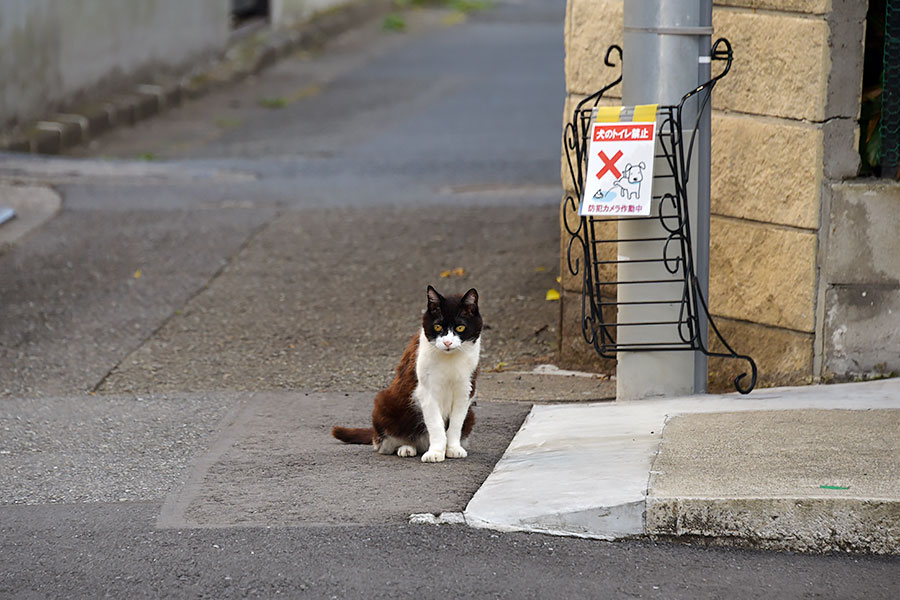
[445,378]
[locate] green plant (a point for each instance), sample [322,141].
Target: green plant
[273,102]
[227,122]
[394,22]
[468,5]
[870,143]
[870,131]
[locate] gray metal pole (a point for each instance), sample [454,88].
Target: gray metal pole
[701,246]
[663,43]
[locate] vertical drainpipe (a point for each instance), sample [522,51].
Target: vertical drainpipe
[663,43]
[701,226]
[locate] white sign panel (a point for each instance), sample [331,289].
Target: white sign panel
[619,178]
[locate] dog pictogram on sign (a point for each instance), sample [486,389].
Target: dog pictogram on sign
[620,161]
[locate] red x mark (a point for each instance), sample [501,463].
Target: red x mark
[609,164]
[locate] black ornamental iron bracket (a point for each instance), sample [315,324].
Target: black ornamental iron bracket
[585,256]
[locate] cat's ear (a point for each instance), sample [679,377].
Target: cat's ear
[469,302]
[434,301]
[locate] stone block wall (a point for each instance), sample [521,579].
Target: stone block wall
[784,131]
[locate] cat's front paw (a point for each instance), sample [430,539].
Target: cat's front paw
[456,452]
[433,456]
[406,450]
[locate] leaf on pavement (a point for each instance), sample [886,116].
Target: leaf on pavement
[457,272]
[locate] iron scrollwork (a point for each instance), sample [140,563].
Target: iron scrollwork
[583,257]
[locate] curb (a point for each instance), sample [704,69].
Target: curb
[813,525]
[593,471]
[242,58]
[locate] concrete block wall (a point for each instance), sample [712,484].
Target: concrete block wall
[783,132]
[861,281]
[287,13]
[74,70]
[53,53]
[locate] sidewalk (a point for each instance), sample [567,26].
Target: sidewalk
[808,469]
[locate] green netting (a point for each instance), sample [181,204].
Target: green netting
[890,102]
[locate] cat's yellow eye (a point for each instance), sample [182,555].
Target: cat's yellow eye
[460,328]
[438,328]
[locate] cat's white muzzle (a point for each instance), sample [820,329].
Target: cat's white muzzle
[447,342]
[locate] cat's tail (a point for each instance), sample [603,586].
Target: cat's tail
[350,435]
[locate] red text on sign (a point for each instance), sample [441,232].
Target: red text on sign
[623,132]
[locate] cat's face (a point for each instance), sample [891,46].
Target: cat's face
[453,321]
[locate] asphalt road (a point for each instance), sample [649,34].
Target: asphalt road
[103,550]
[178,340]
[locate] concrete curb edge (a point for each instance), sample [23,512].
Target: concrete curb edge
[599,500]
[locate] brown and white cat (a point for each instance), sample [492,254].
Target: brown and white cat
[427,406]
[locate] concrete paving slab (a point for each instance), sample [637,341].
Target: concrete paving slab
[828,454]
[276,464]
[89,287]
[542,386]
[102,448]
[326,300]
[585,470]
[223,459]
[819,480]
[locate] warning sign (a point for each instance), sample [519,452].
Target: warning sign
[619,174]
